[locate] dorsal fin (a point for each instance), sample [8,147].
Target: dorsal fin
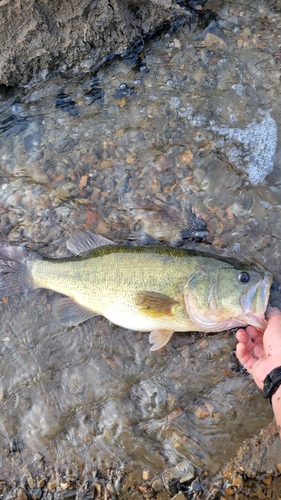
[82,241]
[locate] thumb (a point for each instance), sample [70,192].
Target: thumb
[271,312]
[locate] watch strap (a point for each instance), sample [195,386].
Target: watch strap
[271,383]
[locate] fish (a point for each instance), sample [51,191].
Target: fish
[157,289]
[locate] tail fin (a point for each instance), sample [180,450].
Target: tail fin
[14,269]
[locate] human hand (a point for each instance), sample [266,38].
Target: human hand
[260,351]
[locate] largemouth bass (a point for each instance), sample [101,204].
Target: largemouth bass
[155,289]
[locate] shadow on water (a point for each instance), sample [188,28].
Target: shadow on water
[182,149]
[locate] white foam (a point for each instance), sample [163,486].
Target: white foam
[252,149]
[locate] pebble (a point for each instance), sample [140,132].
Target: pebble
[52,485]
[149,493]
[98,488]
[214,42]
[237,481]
[130,160]
[163,162]
[180,496]
[201,412]
[22,495]
[64,485]
[105,164]
[146,475]
[267,480]
[37,493]
[186,157]
[229,490]
[37,458]
[110,488]
[157,484]
[30,481]
[182,472]
[67,495]
[162,495]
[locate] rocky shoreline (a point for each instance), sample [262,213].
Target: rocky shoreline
[40,37]
[255,473]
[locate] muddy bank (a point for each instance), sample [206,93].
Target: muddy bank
[42,36]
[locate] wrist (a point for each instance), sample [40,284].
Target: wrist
[276,396]
[272,383]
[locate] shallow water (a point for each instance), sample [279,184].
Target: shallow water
[182,149]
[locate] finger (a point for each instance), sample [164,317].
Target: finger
[254,346]
[245,357]
[255,334]
[258,351]
[242,336]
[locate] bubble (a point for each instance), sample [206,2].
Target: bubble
[175,102]
[252,149]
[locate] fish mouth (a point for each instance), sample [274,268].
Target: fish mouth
[258,322]
[275,295]
[254,302]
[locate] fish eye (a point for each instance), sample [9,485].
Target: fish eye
[244,277]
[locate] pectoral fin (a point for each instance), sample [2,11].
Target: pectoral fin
[155,304]
[82,241]
[159,338]
[69,313]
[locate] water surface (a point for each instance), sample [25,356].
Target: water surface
[182,148]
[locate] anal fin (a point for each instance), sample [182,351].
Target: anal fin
[159,338]
[69,313]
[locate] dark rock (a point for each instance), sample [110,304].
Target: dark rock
[37,493]
[16,445]
[65,495]
[64,102]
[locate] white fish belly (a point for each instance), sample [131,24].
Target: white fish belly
[134,319]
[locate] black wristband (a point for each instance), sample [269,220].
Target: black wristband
[271,383]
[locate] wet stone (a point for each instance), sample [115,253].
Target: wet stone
[52,485]
[30,481]
[146,475]
[267,480]
[157,484]
[163,162]
[149,493]
[22,495]
[66,495]
[180,496]
[37,493]
[64,485]
[162,495]
[237,481]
